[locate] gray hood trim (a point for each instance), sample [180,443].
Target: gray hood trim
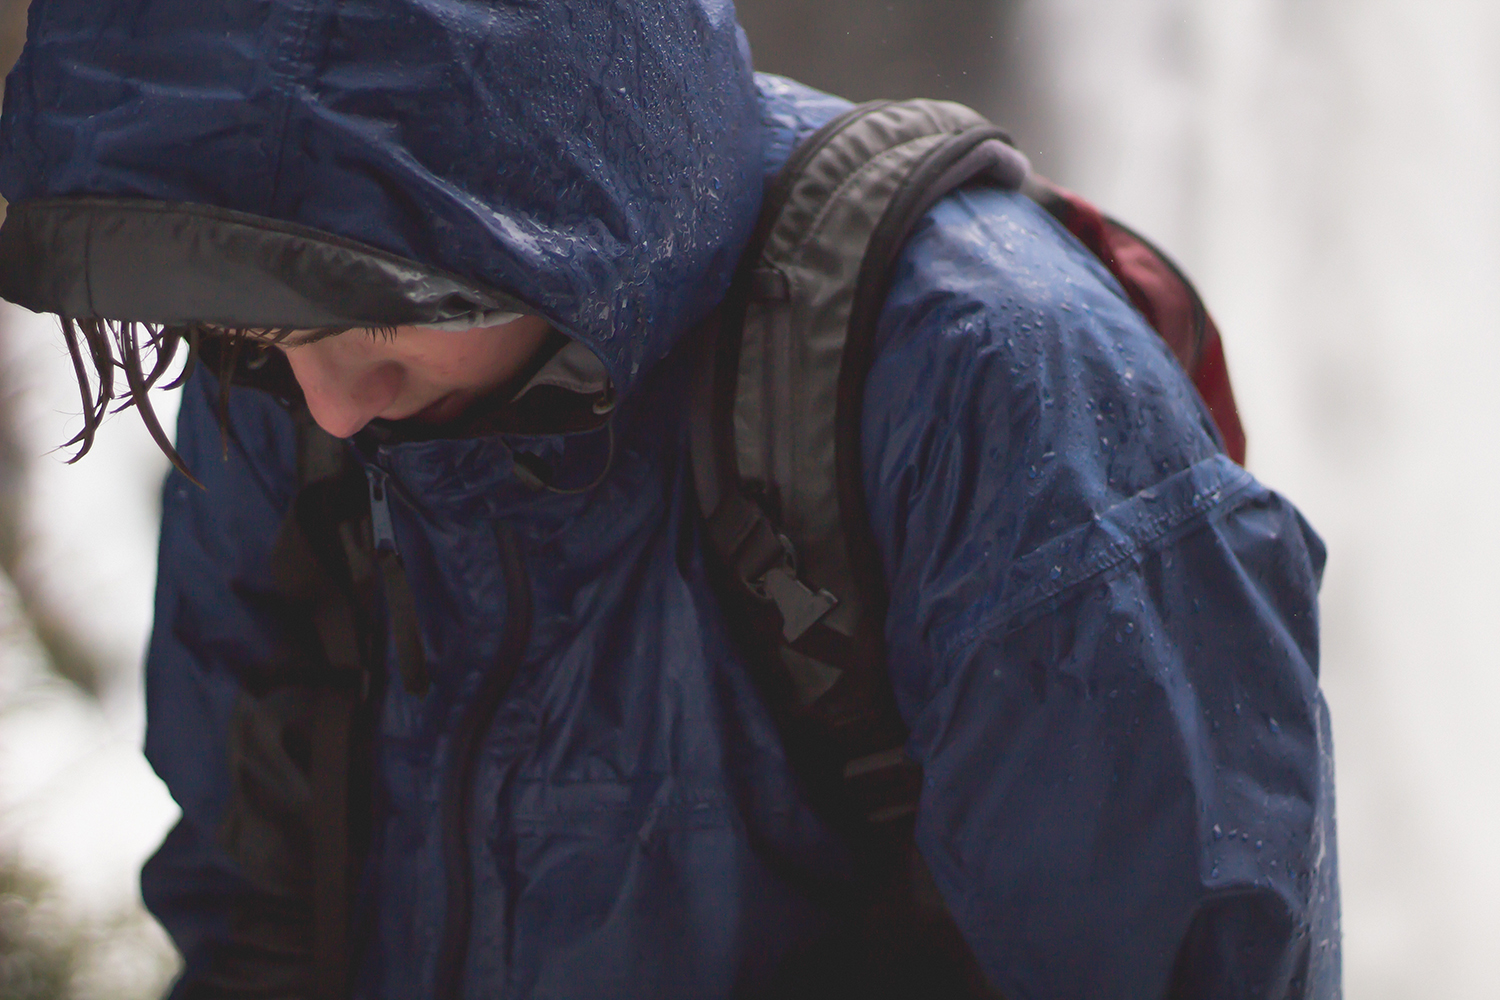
[172,263]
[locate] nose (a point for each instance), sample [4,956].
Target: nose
[344,393]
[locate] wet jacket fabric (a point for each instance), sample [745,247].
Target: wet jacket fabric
[1102,632]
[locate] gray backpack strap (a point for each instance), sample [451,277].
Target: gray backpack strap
[776,462]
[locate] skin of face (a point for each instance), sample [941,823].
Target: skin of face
[427,375]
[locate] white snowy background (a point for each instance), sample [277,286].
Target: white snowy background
[1329,173]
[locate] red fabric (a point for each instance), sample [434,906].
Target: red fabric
[1212,380]
[1166,301]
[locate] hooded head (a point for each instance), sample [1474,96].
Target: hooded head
[375,163]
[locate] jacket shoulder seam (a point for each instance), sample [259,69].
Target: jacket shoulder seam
[1059,568]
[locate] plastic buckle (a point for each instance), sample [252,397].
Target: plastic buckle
[801,607]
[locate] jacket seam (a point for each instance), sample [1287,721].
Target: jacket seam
[1139,536]
[289,62]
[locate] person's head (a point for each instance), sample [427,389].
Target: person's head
[347,377]
[173,165]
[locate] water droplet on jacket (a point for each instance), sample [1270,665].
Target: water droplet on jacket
[1055,573]
[1275,726]
[1129,627]
[1031,471]
[1259,844]
[1218,832]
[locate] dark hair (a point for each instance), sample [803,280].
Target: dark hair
[108,346]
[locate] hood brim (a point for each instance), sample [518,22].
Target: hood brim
[137,260]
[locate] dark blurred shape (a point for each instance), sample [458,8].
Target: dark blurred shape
[867,49]
[12,31]
[970,51]
[12,35]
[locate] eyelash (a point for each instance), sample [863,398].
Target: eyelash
[279,337]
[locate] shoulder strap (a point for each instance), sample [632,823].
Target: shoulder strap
[776,451]
[776,461]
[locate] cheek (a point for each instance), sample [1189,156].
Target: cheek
[479,359]
[470,365]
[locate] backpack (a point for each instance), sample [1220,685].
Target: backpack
[776,461]
[775,418]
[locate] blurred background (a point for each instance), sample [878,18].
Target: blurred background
[1328,171]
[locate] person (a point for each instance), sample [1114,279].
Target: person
[475,240]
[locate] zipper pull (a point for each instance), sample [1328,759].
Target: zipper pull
[399,602]
[380,512]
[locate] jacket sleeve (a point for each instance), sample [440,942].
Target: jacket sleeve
[226,882]
[1102,632]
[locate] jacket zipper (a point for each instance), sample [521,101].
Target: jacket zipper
[401,606]
[457,807]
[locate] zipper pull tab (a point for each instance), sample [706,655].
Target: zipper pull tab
[381,525]
[399,602]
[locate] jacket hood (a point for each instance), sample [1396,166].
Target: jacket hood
[594,161]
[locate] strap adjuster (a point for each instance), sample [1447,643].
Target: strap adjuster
[801,607]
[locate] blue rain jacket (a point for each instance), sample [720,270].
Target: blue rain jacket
[1102,632]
